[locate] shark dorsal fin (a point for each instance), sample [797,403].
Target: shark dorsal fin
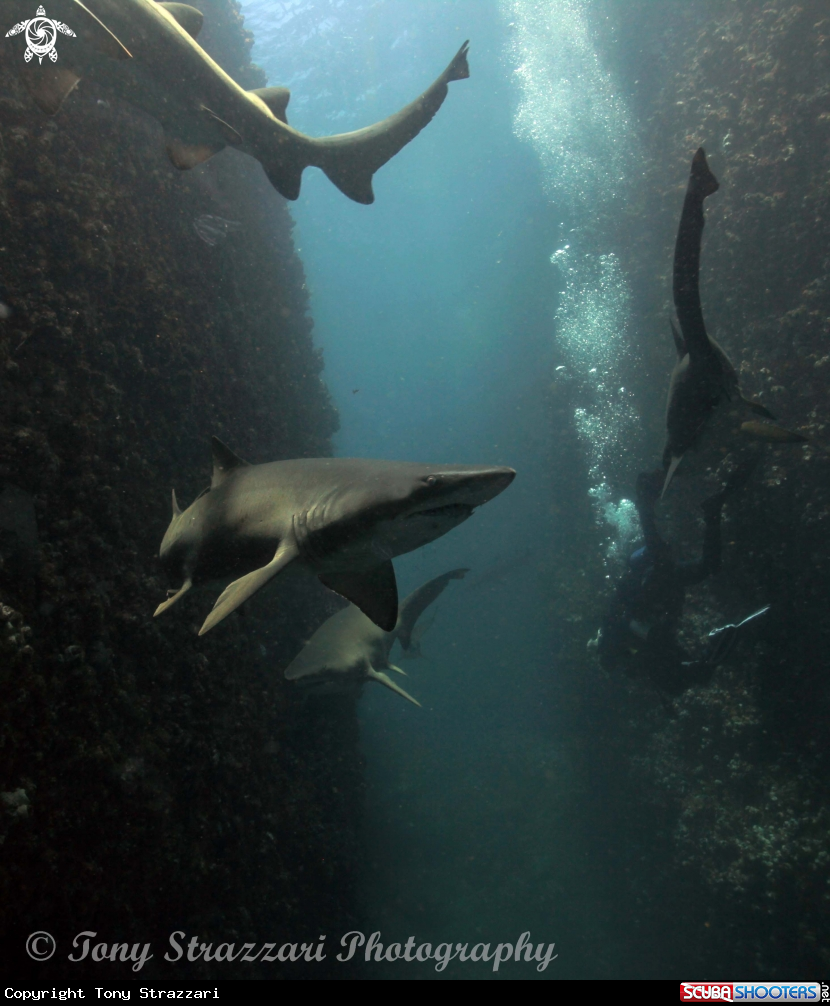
[177,510]
[224,462]
[413,606]
[276,98]
[679,341]
[374,591]
[186,16]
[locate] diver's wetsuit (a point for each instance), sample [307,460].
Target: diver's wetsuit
[639,633]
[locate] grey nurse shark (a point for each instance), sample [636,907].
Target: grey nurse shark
[146,53]
[349,649]
[343,519]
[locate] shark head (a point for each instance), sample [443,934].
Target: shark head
[431,502]
[343,519]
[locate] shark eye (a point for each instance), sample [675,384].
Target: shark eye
[431,480]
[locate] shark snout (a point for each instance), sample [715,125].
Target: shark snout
[480,486]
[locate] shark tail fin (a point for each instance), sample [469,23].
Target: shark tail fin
[384,679]
[246,586]
[418,601]
[351,159]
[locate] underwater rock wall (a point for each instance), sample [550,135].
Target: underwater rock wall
[150,780]
[722,803]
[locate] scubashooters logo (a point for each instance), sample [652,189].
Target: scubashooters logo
[41,34]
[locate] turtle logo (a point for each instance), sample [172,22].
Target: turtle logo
[41,33]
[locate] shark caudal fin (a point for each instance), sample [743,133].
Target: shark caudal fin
[416,603]
[351,159]
[246,586]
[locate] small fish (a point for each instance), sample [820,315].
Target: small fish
[213,229]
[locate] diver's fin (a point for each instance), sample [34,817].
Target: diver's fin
[276,98]
[224,462]
[186,16]
[187,155]
[397,670]
[177,510]
[384,679]
[679,341]
[675,461]
[350,159]
[185,587]
[246,586]
[229,134]
[757,408]
[773,433]
[701,178]
[416,603]
[49,86]
[374,591]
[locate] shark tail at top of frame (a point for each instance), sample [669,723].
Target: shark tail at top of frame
[350,160]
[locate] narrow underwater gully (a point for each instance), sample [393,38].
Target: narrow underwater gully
[504,302]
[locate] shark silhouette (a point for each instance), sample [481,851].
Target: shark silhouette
[349,648]
[342,518]
[146,53]
[704,378]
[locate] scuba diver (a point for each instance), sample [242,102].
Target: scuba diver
[639,632]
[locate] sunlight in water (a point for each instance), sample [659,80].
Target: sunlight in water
[569,111]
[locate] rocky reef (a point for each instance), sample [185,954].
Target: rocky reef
[152,781]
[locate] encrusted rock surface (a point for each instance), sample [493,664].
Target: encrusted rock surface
[150,780]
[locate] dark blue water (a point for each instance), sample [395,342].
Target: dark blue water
[435,310]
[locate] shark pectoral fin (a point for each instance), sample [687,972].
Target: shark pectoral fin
[246,586]
[374,591]
[384,679]
[397,670]
[187,155]
[675,461]
[186,17]
[758,409]
[772,433]
[48,85]
[276,98]
[185,587]
[229,134]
